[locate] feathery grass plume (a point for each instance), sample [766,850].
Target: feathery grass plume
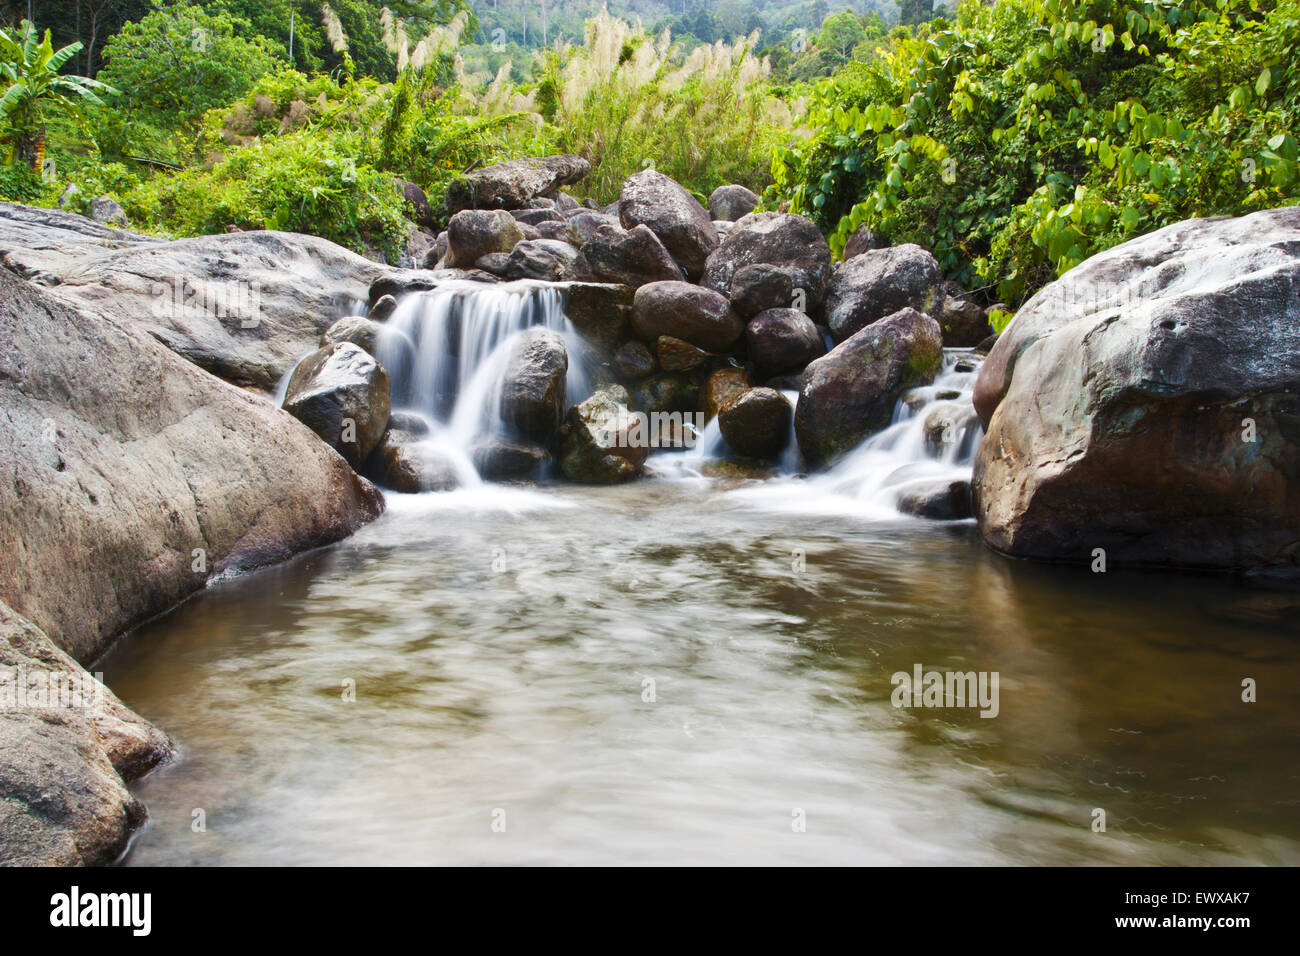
[438,39]
[334,29]
[395,39]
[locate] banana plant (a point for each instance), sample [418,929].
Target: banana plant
[35,88]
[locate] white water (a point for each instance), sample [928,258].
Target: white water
[933,436]
[446,352]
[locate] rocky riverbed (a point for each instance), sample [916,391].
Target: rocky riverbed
[1142,410]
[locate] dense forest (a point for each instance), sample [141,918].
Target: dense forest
[1015,137]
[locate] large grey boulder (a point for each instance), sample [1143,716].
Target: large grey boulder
[630,257]
[849,393]
[731,203]
[474,233]
[685,311]
[342,394]
[532,393]
[649,198]
[41,244]
[362,332]
[122,459]
[878,283]
[244,306]
[511,185]
[779,239]
[1147,404]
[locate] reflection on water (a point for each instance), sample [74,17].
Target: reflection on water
[671,672]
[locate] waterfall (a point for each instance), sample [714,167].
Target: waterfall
[933,436]
[446,352]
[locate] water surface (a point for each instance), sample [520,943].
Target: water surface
[682,671]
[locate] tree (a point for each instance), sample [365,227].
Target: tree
[35,87]
[180,61]
[912,12]
[841,32]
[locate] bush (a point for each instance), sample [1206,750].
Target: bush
[1032,134]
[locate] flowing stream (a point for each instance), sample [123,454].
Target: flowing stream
[702,670]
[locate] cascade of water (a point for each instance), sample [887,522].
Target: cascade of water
[446,351]
[933,436]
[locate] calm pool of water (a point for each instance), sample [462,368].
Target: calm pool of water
[680,672]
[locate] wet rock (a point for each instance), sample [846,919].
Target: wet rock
[410,464]
[676,355]
[937,500]
[65,761]
[757,423]
[666,392]
[986,346]
[360,331]
[1147,403]
[595,442]
[721,387]
[503,459]
[864,240]
[601,312]
[944,426]
[695,314]
[383,309]
[775,238]
[532,396]
[510,185]
[633,361]
[880,282]
[782,341]
[474,233]
[759,287]
[546,259]
[730,203]
[849,393]
[649,198]
[631,257]
[410,422]
[341,393]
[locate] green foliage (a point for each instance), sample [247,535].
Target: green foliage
[180,61]
[1031,134]
[35,88]
[20,183]
[298,182]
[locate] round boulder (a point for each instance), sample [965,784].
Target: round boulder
[775,238]
[782,341]
[341,393]
[474,233]
[880,282]
[690,312]
[730,203]
[756,424]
